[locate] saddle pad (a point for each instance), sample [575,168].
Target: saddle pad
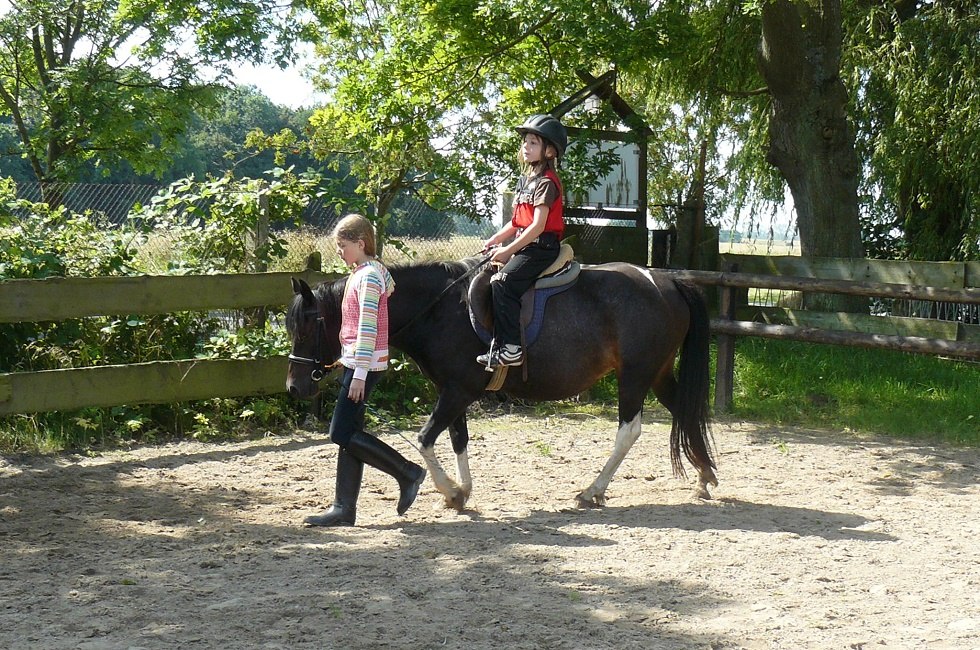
[533,305]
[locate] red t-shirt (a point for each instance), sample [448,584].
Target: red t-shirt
[543,189]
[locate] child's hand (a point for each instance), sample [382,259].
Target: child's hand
[356,392]
[501,257]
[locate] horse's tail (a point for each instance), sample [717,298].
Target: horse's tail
[689,431]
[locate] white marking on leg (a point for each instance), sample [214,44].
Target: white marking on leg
[448,488]
[626,437]
[463,474]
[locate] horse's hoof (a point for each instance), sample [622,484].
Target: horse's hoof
[456,500]
[708,477]
[595,501]
[701,492]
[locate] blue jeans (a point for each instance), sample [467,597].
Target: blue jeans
[348,416]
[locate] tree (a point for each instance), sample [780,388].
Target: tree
[810,139]
[494,62]
[873,111]
[391,122]
[425,97]
[916,68]
[104,81]
[215,143]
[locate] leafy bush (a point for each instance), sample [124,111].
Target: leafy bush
[42,242]
[215,224]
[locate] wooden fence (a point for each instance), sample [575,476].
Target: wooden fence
[948,282]
[173,381]
[141,383]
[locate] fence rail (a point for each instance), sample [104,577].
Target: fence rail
[963,341]
[142,383]
[53,299]
[161,382]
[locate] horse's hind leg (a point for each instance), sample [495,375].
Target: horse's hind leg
[626,436]
[634,383]
[666,389]
[633,386]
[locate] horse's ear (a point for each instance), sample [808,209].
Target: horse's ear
[300,287]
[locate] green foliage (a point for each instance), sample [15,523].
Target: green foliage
[48,242]
[216,224]
[916,74]
[403,76]
[217,141]
[856,390]
[403,394]
[247,343]
[43,242]
[53,242]
[107,81]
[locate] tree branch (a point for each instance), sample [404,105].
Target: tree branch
[742,93]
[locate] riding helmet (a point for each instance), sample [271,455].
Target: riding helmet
[549,128]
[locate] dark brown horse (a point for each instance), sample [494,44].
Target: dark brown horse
[618,317]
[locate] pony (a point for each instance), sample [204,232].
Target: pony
[618,317]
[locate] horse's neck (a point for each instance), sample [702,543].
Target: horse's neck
[417,290]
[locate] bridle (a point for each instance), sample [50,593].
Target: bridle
[321,367]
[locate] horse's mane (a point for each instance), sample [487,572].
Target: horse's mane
[433,273]
[453,269]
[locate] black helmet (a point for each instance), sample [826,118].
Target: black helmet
[549,128]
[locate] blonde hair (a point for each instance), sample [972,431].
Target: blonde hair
[354,227]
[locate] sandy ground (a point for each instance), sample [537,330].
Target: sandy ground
[813,540]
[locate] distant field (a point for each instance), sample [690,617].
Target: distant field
[760,247]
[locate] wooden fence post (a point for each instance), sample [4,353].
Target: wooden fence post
[725,366]
[260,238]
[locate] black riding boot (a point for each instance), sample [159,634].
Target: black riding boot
[344,508]
[378,454]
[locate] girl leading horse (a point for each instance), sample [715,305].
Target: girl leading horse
[618,316]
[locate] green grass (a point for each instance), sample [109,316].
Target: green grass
[857,390]
[849,390]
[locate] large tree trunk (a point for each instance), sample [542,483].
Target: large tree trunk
[811,142]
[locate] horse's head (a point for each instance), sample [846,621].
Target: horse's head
[314,328]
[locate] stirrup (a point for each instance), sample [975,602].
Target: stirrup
[501,357]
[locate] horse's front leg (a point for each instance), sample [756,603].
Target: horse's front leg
[448,413]
[626,436]
[460,436]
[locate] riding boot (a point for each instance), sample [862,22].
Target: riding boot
[344,508]
[379,455]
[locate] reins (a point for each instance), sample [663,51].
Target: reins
[442,293]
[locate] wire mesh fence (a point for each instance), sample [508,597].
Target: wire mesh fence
[415,230]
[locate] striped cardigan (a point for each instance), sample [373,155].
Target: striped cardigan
[364,324]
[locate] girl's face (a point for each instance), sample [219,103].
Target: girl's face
[533,148]
[352,252]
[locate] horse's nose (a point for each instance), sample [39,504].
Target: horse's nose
[292,390]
